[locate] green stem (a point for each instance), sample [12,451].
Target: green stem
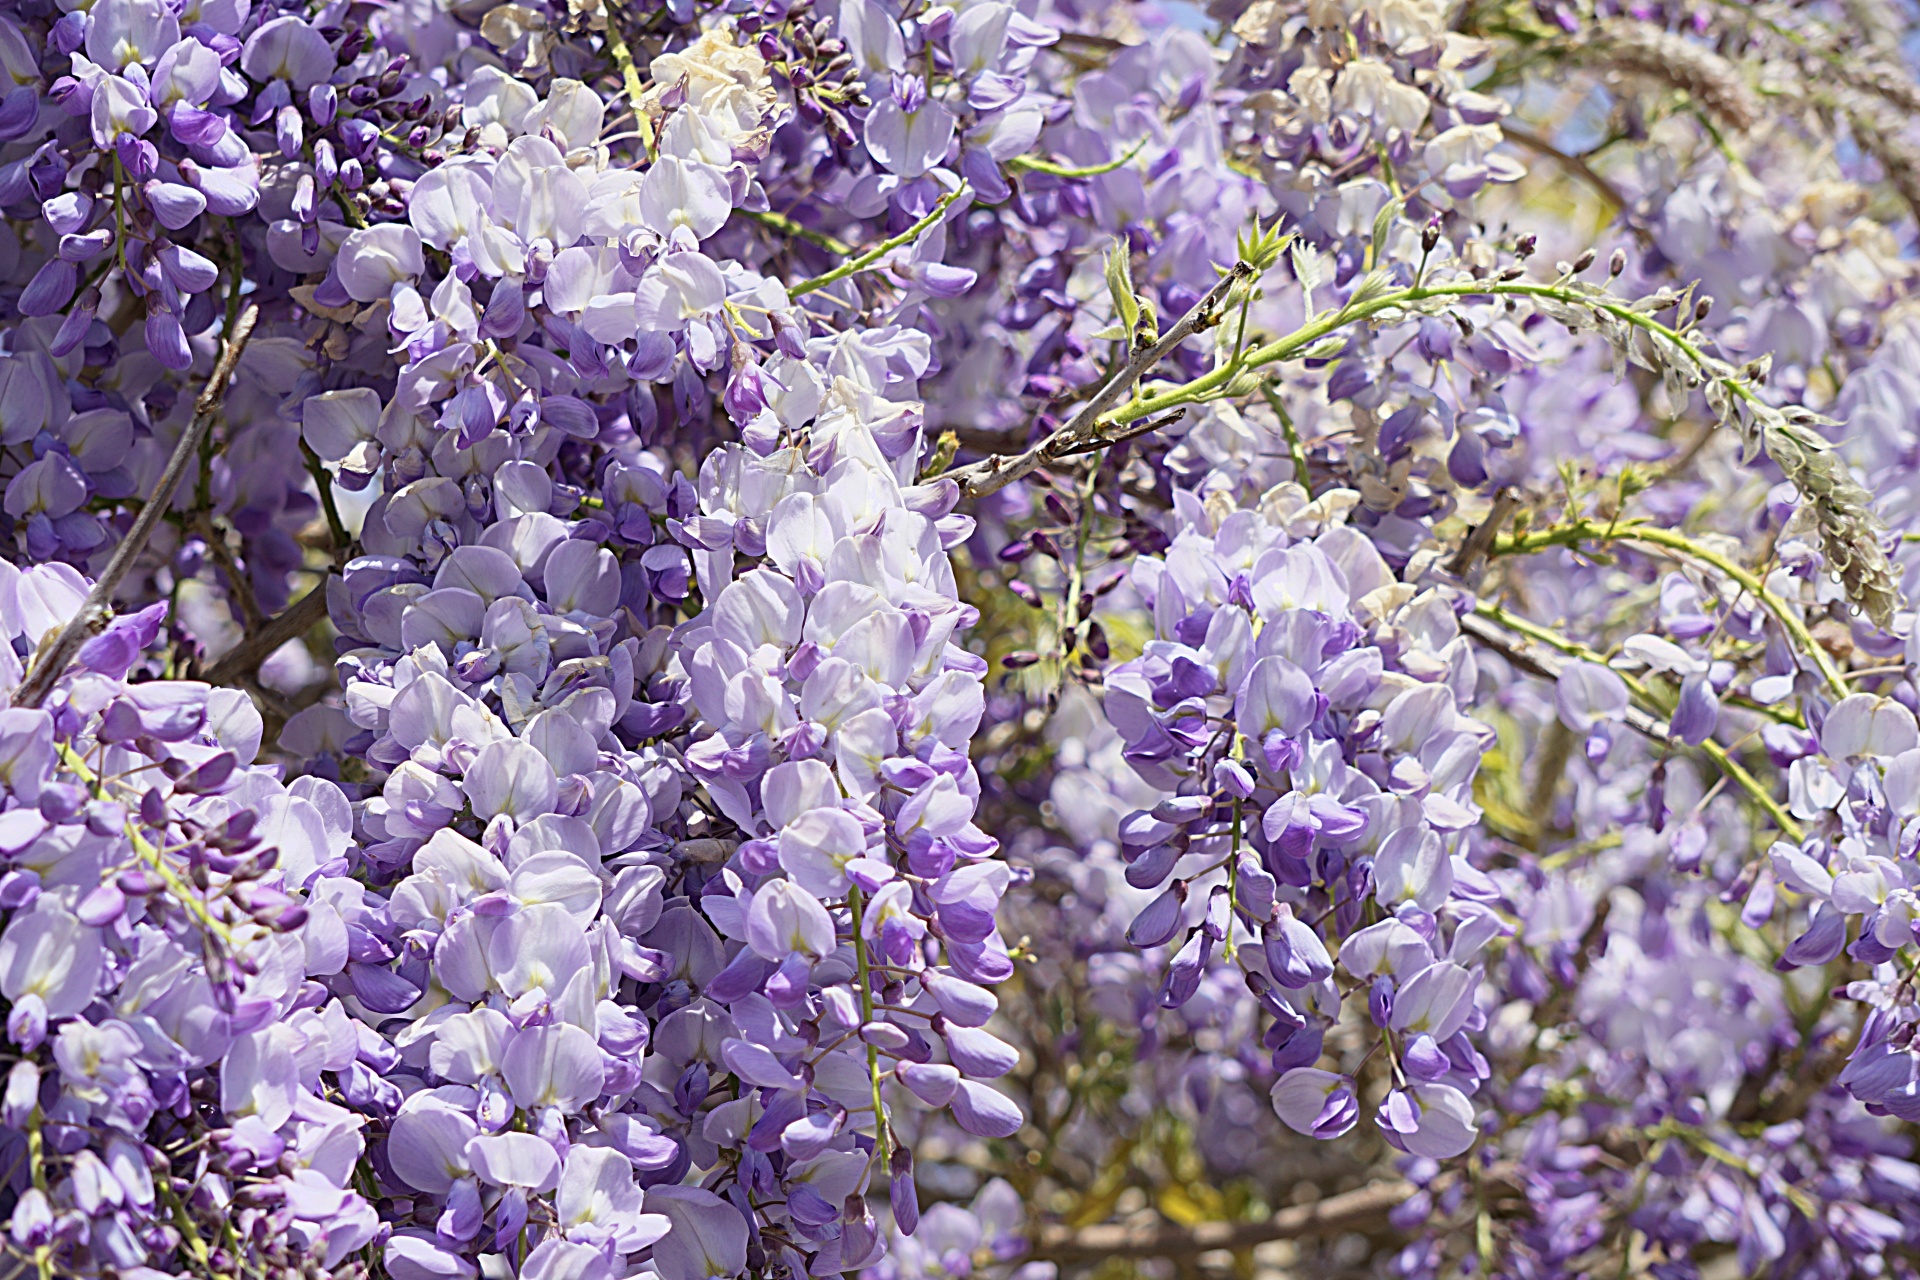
[1702,1142]
[855,265]
[1582,530]
[863,975]
[324,483]
[1736,772]
[190,1233]
[623,59]
[788,227]
[37,1150]
[1215,381]
[1724,760]
[1295,449]
[150,853]
[1035,164]
[37,1161]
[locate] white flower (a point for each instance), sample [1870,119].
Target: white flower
[725,83]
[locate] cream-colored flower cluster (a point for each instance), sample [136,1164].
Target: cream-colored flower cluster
[723,93]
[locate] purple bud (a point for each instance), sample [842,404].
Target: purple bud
[322,104]
[1150,869]
[210,776]
[27,1023]
[691,1089]
[933,1083]
[32,1225]
[75,324]
[1820,943]
[50,289]
[60,801]
[1424,1060]
[102,905]
[1185,970]
[1160,919]
[745,396]
[980,1055]
[1697,712]
[139,882]
[167,341]
[174,204]
[962,1003]
[859,1233]
[1302,1049]
[808,1207]
[901,1192]
[19,889]
[137,156]
[985,1112]
[69,33]
[22,1094]
[506,312]
[1380,1001]
[884,1035]
[380,988]
[1232,777]
[1295,954]
[305,207]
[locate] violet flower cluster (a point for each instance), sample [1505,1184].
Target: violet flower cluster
[1300,705]
[804,637]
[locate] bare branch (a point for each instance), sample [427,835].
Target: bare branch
[989,475]
[290,623]
[1480,541]
[1538,660]
[1356,1210]
[1527,653]
[98,607]
[1576,165]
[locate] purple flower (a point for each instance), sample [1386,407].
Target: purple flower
[1315,1102]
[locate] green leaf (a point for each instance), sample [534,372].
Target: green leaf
[1383,226]
[1375,283]
[1126,304]
[1308,268]
[1261,249]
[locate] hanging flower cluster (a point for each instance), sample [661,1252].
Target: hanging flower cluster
[806,637]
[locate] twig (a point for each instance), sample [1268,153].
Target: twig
[1485,625]
[290,623]
[237,586]
[989,475]
[1523,653]
[1349,1211]
[98,607]
[1105,44]
[336,530]
[1574,532]
[622,56]
[855,265]
[1296,448]
[1040,164]
[1480,541]
[787,226]
[1575,165]
[1145,427]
